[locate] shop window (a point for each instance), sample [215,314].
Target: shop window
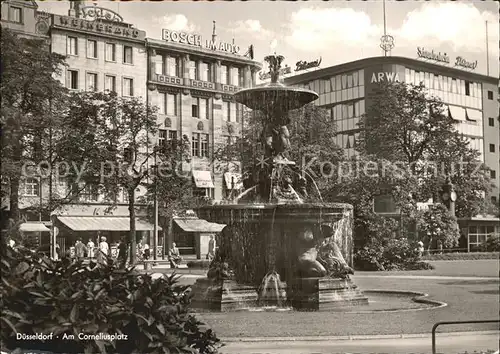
[31,187]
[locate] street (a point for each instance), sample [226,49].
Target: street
[470,343]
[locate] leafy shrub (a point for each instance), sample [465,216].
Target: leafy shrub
[393,254]
[199,264]
[39,295]
[492,244]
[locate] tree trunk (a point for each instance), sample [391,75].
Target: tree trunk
[14,199]
[132,239]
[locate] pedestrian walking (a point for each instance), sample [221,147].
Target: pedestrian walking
[102,255]
[80,249]
[90,249]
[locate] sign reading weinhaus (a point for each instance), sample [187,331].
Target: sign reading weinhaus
[112,28]
[197,41]
[444,58]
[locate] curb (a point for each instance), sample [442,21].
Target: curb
[353,337]
[436,277]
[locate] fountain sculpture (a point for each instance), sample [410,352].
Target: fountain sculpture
[281,247]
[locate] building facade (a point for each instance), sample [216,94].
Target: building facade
[192,83]
[472,100]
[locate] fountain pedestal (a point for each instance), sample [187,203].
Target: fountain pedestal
[323,294]
[223,295]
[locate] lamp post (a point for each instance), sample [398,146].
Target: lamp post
[155,227]
[448,195]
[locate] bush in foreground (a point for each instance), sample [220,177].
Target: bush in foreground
[39,295]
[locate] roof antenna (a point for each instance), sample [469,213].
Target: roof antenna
[214,35]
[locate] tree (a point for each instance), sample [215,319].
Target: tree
[413,131]
[31,101]
[112,138]
[403,124]
[438,225]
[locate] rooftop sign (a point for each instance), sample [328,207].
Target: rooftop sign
[444,58]
[196,40]
[110,29]
[92,13]
[283,71]
[304,65]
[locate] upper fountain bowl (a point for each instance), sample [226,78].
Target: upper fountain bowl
[275,97]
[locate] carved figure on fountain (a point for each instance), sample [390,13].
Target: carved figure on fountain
[330,256]
[308,265]
[219,269]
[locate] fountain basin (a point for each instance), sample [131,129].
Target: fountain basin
[260,238]
[229,296]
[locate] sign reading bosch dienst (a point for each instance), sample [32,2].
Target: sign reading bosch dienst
[197,41]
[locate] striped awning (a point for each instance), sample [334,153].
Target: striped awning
[457,113]
[203,179]
[474,114]
[33,227]
[198,225]
[103,223]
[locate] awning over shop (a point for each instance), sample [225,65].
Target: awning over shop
[198,225]
[457,113]
[231,177]
[203,179]
[103,223]
[474,114]
[33,227]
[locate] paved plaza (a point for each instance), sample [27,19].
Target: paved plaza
[469,288]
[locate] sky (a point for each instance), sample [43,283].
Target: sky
[337,31]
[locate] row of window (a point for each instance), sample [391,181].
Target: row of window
[348,110]
[200,70]
[92,82]
[443,83]
[200,108]
[479,234]
[92,50]
[337,82]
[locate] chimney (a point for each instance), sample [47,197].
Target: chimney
[74,8]
[214,35]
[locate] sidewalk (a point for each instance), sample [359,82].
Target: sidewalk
[458,342]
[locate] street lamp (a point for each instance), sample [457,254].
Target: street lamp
[155,227]
[448,195]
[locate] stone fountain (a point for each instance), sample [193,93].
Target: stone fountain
[281,248]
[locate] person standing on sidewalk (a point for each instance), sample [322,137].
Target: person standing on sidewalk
[122,253]
[211,248]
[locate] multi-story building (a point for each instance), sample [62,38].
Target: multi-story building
[191,80]
[471,99]
[22,17]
